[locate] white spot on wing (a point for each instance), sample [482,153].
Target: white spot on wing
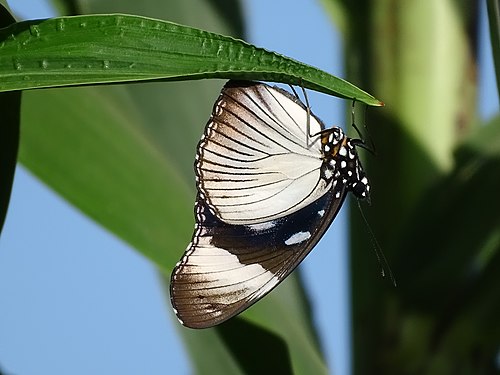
[298,238]
[262,226]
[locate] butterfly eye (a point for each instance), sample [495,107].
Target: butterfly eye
[266,195]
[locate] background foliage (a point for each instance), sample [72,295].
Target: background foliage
[434,206]
[110,152]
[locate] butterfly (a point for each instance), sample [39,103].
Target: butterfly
[270,180]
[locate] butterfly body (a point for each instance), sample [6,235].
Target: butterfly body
[267,192]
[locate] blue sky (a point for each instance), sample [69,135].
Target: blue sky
[77,300]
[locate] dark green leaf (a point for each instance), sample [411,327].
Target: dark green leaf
[455,258]
[458,225]
[261,351]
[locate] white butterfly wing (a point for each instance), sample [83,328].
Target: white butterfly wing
[254,163]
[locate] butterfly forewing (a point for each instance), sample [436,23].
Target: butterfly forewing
[255,161]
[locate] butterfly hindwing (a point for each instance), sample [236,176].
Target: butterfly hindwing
[227,268]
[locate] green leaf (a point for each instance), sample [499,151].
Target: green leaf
[460,250]
[269,352]
[10,107]
[69,51]
[454,257]
[95,153]
[284,312]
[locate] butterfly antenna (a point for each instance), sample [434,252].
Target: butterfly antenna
[382,261]
[362,139]
[308,121]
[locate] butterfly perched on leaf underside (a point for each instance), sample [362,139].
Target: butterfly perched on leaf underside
[270,180]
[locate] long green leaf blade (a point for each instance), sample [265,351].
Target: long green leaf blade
[95,154]
[80,50]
